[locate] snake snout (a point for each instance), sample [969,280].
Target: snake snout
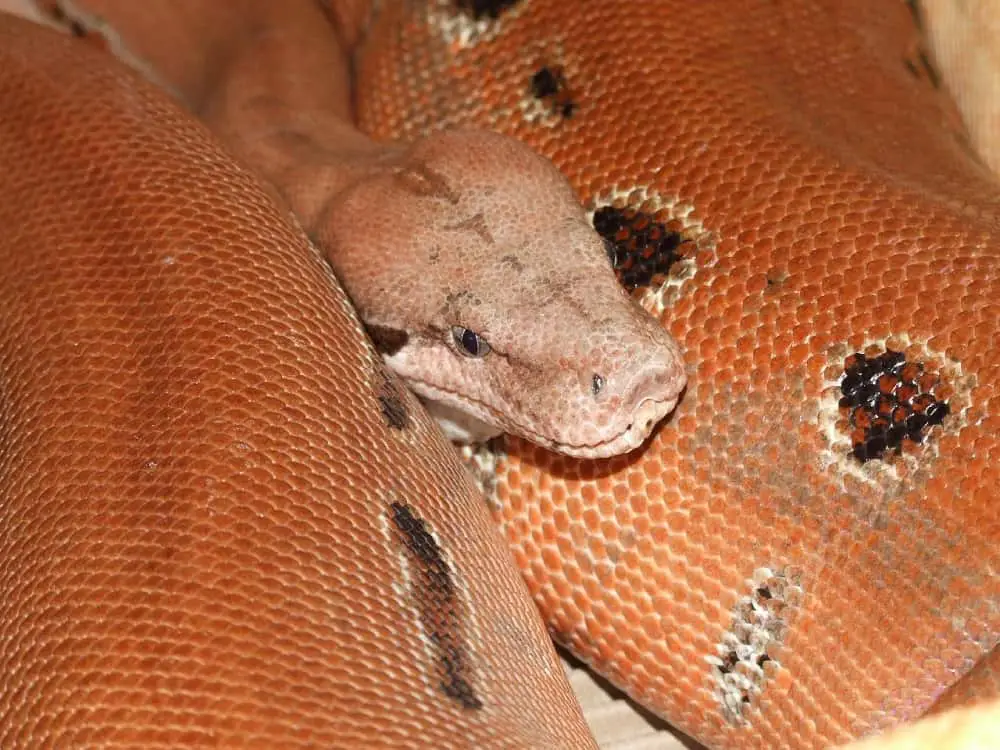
[649,413]
[655,394]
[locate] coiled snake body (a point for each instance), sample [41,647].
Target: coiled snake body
[205,543]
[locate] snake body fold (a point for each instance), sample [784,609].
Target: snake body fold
[224,523]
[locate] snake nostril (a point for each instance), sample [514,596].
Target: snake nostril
[596,384]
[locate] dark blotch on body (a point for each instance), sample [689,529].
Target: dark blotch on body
[420,180]
[888,400]
[641,249]
[476,224]
[387,340]
[440,609]
[484,8]
[549,84]
[392,402]
[513,263]
[758,627]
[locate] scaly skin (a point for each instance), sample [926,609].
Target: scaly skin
[744,574]
[481,233]
[817,232]
[461,234]
[223,522]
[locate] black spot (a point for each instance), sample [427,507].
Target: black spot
[387,340]
[544,83]
[484,8]
[758,628]
[549,84]
[889,400]
[641,249]
[440,609]
[775,278]
[729,662]
[391,400]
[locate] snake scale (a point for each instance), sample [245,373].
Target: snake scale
[206,544]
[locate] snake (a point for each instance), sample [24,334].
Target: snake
[227,522]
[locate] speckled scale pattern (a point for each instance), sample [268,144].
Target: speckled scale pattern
[640,248]
[847,214]
[890,404]
[196,476]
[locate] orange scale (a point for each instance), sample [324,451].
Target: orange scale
[858,198]
[629,612]
[798,355]
[573,576]
[687,620]
[570,617]
[566,545]
[636,579]
[620,493]
[631,653]
[539,573]
[636,482]
[520,558]
[713,591]
[562,588]
[606,505]
[590,592]
[605,617]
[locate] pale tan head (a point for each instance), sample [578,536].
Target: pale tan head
[488,291]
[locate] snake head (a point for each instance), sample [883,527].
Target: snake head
[474,267]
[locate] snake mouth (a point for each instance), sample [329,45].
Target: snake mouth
[649,414]
[645,418]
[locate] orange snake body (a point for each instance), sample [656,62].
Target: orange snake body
[743,575]
[205,543]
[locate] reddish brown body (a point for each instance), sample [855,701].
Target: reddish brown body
[203,542]
[216,533]
[834,205]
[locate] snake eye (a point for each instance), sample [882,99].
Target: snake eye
[469,342]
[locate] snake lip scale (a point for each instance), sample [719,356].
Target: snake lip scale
[645,418]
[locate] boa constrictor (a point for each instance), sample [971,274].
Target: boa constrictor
[206,543]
